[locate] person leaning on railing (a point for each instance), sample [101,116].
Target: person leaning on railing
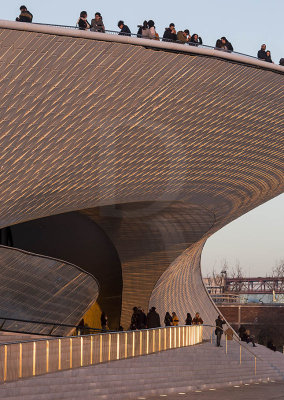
[197,320]
[124,30]
[170,33]
[82,22]
[183,36]
[25,15]
[195,40]
[97,24]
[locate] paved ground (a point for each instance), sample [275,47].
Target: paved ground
[261,391]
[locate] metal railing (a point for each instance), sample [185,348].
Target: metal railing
[234,337]
[27,359]
[44,328]
[155,39]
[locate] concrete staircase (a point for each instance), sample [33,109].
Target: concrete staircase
[179,370]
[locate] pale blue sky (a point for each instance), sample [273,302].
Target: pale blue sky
[246,23]
[256,239]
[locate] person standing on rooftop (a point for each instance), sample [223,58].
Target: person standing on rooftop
[261,54]
[183,36]
[82,21]
[97,24]
[195,40]
[268,57]
[152,31]
[226,45]
[124,30]
[25,15]
[170,33]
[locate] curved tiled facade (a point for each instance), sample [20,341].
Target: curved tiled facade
[161,147]
[37,288]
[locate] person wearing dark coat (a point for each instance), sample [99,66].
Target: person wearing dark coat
[141,319]
[219,330]
[188,320]
[227,45]
[168,319]
[82,21]
[25,15]
[261,54]
[281,61]
[195,40]
[153,319]
[170,33]
[104,321]
[134,319]
[124,30]
[268,57]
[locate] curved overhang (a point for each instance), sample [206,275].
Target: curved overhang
[166,46]
[42,289]
[104,122]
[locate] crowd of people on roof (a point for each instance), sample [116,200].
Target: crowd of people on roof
[148,31]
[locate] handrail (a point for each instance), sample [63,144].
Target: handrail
[176,47]
[37,357]
[160,38]
[236,340]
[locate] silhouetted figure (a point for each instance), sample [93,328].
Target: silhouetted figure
[281,61]
[245,335]
[141,319]
[104,321]
[271,346]
[134,319]
[153,319]
[168,319]
[219,329]
[188,320]
[25,15]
